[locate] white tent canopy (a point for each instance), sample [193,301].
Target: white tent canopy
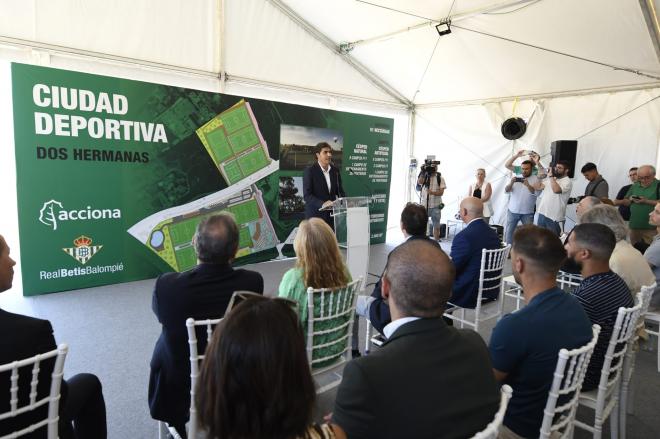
[586,70]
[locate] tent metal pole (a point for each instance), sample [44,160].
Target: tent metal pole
[310,91]
[220,38]
[561,94]
[651,18]
[411,152]
[331,45]
[64,50]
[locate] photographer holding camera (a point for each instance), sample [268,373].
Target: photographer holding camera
[556,191]
[432,186]
[523,190]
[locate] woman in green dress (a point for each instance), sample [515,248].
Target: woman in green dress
[319,265]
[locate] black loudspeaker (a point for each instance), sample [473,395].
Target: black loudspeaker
[514,128]
[564,150]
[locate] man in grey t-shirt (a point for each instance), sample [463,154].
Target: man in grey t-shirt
[597,186]
[652,256]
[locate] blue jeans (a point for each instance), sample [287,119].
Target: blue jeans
[547,223]
[512,222]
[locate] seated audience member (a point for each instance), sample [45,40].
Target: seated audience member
[82,408]
[255,381]
[524,346]
[584,206]
[652,255]
[413,225]
[428,380]
[581,208]
[466,254]
[601,291]
[319,265]
[626,260]
[201,293]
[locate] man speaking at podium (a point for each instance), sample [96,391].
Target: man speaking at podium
[321,185]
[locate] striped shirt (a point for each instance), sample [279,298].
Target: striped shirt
[601,295]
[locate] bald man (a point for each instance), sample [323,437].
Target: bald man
[428,380]
[466,254]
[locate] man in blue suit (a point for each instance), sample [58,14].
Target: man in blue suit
[321,185]
[466,254]
[414,221]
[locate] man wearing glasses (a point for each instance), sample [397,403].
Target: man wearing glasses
[642,197]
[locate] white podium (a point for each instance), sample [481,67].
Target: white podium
[351,215]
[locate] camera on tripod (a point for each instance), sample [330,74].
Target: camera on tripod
[430,166]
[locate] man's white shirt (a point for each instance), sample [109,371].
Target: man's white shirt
[522,201]
[326,174]
[391,327]
[552,205]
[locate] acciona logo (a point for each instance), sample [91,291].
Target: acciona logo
[52,213]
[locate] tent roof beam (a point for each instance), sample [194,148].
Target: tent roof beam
[312,92]
[334,47]
[652,23]
[560,94]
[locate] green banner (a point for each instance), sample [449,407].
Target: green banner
[114,175]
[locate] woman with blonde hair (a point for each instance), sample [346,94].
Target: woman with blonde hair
[319,265]
[483,190]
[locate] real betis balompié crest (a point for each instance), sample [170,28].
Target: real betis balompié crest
[82,250]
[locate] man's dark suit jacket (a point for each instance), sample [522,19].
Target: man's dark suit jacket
[428,380]
[24,337]
[379,310]
[466,256]
[315,191]
[201,293]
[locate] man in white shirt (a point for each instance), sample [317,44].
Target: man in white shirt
[522,188]
[556,191]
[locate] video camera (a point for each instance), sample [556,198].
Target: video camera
[574,200]
[430,166]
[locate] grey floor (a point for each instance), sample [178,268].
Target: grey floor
[111,332]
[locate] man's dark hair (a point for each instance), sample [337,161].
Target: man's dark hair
[414,219]
[597,238]
[216,239]
[421,276]
[319,147]
[255,381]
[528,162]
[539,247]
[632,169]
[564,163]
[589,167]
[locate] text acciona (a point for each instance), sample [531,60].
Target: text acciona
[102,103]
